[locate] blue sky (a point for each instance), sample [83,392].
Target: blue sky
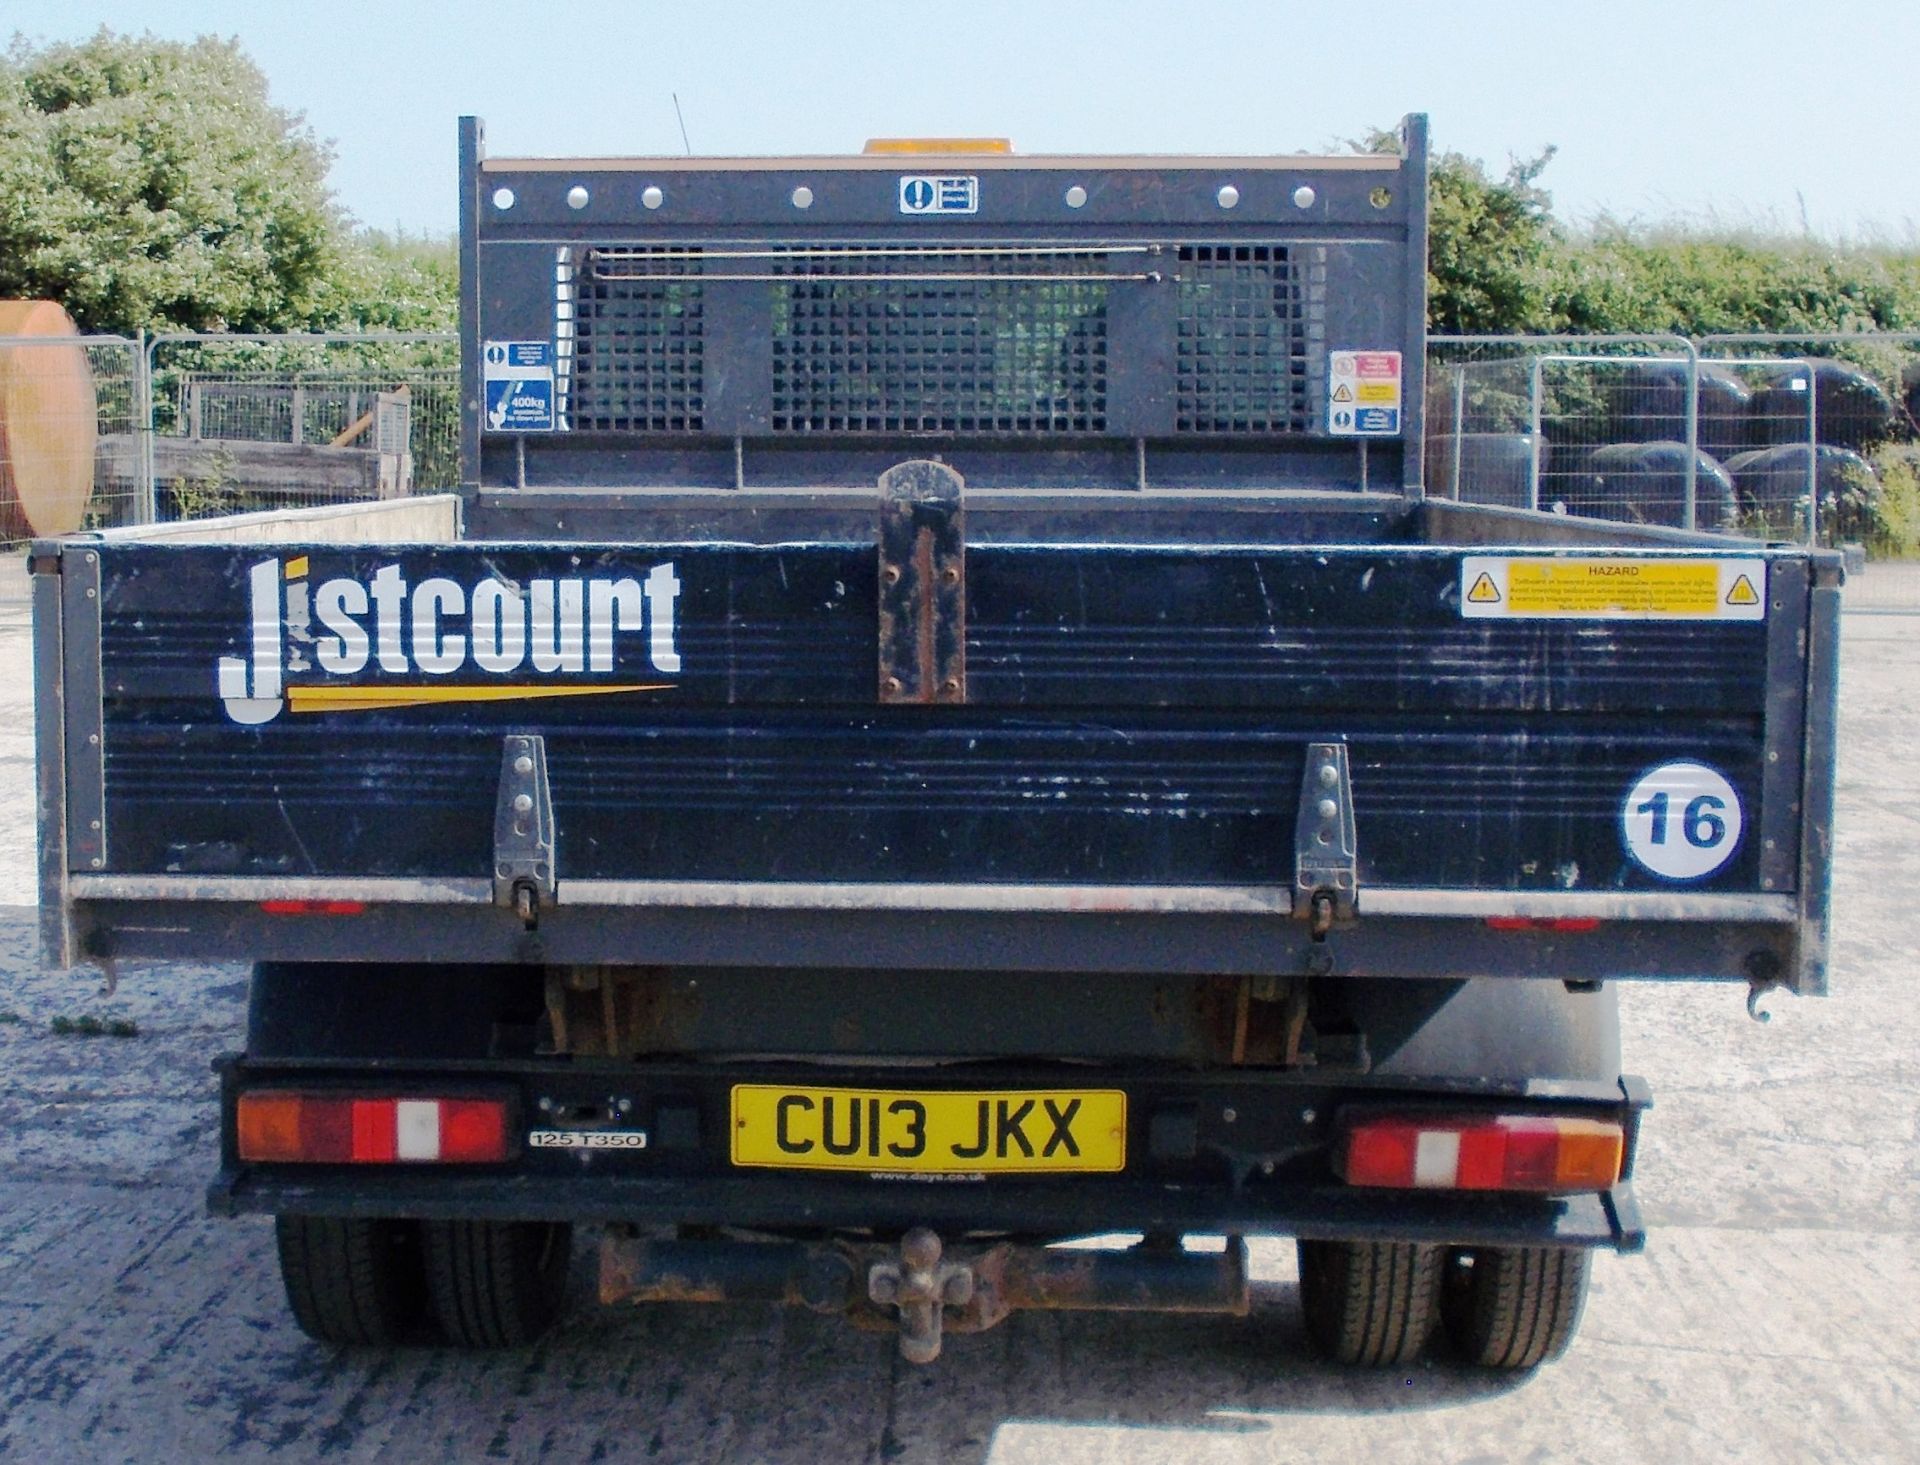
[1761,112]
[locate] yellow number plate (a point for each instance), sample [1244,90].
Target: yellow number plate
[930,1131]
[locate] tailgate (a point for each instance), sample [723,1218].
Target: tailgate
[1103,718]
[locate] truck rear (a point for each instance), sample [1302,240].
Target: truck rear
[942,723]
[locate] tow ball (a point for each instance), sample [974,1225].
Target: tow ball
[921,1286]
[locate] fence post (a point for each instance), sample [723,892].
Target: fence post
[1813,456]
[1533,404]
[1459,425]
[146,496]
[1690,509]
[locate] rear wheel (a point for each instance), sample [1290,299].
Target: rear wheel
[1514,1306]
[352,1282]
[497,1284]
[1369,1302]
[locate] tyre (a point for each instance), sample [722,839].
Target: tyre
[352,1282]
[1514,1306]
[1369,1302]
[496,1284]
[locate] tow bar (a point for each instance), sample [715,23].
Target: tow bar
[921,1288]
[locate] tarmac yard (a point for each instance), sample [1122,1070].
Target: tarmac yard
[1775,1314]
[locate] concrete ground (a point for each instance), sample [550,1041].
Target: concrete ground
[1774,1316]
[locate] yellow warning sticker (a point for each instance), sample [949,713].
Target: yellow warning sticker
[1386,392]
[1612,587]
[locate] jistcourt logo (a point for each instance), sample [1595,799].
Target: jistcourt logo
[307,640]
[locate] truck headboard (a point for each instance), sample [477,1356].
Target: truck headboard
[1036,321]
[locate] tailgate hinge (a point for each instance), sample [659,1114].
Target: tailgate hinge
[523,867]
[923,584]
[1325,852]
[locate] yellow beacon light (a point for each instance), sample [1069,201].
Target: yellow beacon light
[946,146]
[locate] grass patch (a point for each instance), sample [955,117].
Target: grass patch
[10,1016]
[88,1026]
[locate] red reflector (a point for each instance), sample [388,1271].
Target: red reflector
[1527,1152]
[313,907]
[1543,923]
[327,1129]
[1380,1152]
[472,1130]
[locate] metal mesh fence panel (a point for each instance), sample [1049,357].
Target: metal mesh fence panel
[1592,426]
[1834,448]
[243,423]
[1809,439]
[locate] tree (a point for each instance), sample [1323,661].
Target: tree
[1489,247]
[149,183]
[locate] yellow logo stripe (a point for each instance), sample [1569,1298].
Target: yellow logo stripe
[373,699]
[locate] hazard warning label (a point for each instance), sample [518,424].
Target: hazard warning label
[1363,393]
[1613,587]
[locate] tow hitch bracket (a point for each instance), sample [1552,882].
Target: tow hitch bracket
[921,1289]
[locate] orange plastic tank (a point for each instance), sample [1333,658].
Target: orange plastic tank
[48,425]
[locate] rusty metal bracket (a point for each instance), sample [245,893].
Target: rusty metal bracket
[1326,871]
[920,1290]
[523,863]
[923,584]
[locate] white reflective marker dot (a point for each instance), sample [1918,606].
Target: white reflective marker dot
[576,197]
[503,199]
[1682,820]
[1303,196]
[803,197]
[1076,197]
[651,196]
[1228,196]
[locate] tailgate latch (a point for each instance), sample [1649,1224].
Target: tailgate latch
[523,870]
[923,584]
[1325,852]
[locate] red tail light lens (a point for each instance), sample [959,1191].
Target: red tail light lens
[1481,1152]
[1543,923]
[342,1130]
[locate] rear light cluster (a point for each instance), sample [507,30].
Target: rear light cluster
[329,1129]
[1481,1152]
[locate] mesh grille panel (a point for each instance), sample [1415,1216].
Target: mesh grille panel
[1242,360]
[965,353]
[638,345]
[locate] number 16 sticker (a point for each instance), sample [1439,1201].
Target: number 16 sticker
[1682,820]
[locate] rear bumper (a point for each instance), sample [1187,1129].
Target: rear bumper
[1236,931]
[1243,1153]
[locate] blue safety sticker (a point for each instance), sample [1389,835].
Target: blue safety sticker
[518,380]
